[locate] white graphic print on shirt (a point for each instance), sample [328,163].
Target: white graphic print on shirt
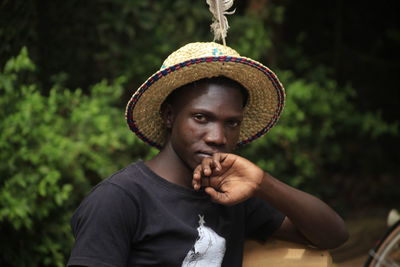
[208,250]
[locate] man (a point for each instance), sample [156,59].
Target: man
[195,202]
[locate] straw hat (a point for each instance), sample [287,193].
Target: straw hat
[196,61]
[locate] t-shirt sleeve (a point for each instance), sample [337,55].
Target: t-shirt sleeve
[104,226]
[262,220]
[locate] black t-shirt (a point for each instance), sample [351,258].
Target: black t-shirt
[136,218]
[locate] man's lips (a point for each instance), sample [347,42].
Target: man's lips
[206,154]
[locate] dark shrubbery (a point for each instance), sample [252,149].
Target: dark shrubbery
[53,150]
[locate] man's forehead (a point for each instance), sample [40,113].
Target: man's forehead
[218,87]
[210,92]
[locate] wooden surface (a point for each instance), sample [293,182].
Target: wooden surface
[282,253]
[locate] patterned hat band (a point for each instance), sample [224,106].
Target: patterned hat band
[196,61]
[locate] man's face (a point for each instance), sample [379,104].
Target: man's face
[204,120]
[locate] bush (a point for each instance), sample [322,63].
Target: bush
[53,149]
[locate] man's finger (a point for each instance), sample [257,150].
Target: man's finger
[217,196]
[216,161]
[196,181]
[206,166]
[197,172]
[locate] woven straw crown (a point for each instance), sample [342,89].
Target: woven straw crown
[196,61]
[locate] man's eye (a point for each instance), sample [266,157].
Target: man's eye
[200,117]
[233,124]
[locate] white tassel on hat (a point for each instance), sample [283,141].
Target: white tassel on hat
[220,26]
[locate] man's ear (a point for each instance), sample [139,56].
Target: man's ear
[167,115]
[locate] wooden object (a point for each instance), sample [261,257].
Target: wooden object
[283,254]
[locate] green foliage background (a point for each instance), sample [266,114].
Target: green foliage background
[62,126]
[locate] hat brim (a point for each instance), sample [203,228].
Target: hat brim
[264,106]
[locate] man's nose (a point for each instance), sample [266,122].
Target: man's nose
[216,135]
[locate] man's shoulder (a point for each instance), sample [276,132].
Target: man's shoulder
[120,189]
[127,181]
[131,174]
[130,177]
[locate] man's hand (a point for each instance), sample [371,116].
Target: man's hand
[230,179]
[227,178]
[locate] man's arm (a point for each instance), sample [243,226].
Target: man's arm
[307,216]
[230,179]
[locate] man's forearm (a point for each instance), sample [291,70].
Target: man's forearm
[315,220]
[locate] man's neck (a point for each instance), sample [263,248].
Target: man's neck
[169,166]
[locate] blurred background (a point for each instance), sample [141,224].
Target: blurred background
[67,69]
